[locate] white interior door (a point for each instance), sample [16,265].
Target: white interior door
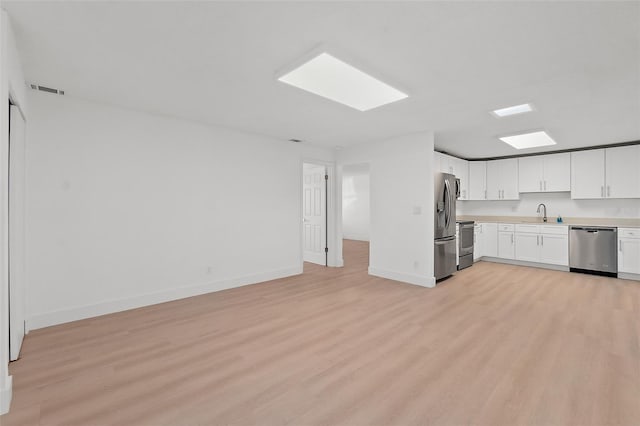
[314,213]
[17,305]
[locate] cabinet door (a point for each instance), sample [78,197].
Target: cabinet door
[441,163]
[477,242]
[506,245]
[436,162]
[494,190]
[623,172]
[490,239]
[527,247]
[446,163]
[629,255]
[587,174]
[554,249]
[461,170]
[556,173]
[530,177]
[477,180]
[509,179]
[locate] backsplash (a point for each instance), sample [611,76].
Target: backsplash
[558,203]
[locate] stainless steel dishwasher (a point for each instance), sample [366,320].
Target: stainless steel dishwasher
[594,250]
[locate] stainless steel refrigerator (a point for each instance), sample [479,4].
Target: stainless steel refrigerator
[446,192]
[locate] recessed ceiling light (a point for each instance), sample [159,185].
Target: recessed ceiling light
[333,79]
[529,140]
[513,110]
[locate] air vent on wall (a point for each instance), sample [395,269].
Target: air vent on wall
[46,89]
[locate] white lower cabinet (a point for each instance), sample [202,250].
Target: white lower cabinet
[554,249]
[487,239]
[629,250]
[490,239]
[506,241]
[542,243]
[527,247]
[477,242]
[526,242]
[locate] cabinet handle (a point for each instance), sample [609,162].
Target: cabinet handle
[545,185]
[485,194]
[602,191]
[620,246]
[541,240]
[511,239]
[540,185]
[608,191]
[537,240]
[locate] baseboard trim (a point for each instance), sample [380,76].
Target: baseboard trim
[628,276]
[5,396]
[524,263]
[420,280]
[119,305]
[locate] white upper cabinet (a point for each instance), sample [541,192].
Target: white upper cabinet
[606,173]
[461,171]
[622,172]
[587,174]
[556,172]
[530,174]
[438,163]
[456,166]
[502,179]
[477,180]
[545,173]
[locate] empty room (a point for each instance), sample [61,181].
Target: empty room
[320,213]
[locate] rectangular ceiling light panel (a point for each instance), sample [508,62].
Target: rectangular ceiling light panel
[529,140]
[333,79]
[513,110]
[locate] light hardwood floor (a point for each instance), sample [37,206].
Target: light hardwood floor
[494,345]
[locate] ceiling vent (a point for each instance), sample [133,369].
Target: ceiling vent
[46,89]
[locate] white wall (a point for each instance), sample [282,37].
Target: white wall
[11,85]
[126,209]
[557,204]
[355,202]
[401,227]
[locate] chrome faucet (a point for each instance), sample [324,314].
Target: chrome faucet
[544,218]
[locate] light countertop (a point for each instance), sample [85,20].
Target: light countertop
[585,221]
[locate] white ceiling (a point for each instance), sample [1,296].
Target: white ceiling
[578,62]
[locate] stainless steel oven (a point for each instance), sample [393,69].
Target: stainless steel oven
[465,244]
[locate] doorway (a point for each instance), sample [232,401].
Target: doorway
[16,226]
[314,213]
[356,207]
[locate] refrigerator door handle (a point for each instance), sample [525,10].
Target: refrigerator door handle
[446,240]
[447,197]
